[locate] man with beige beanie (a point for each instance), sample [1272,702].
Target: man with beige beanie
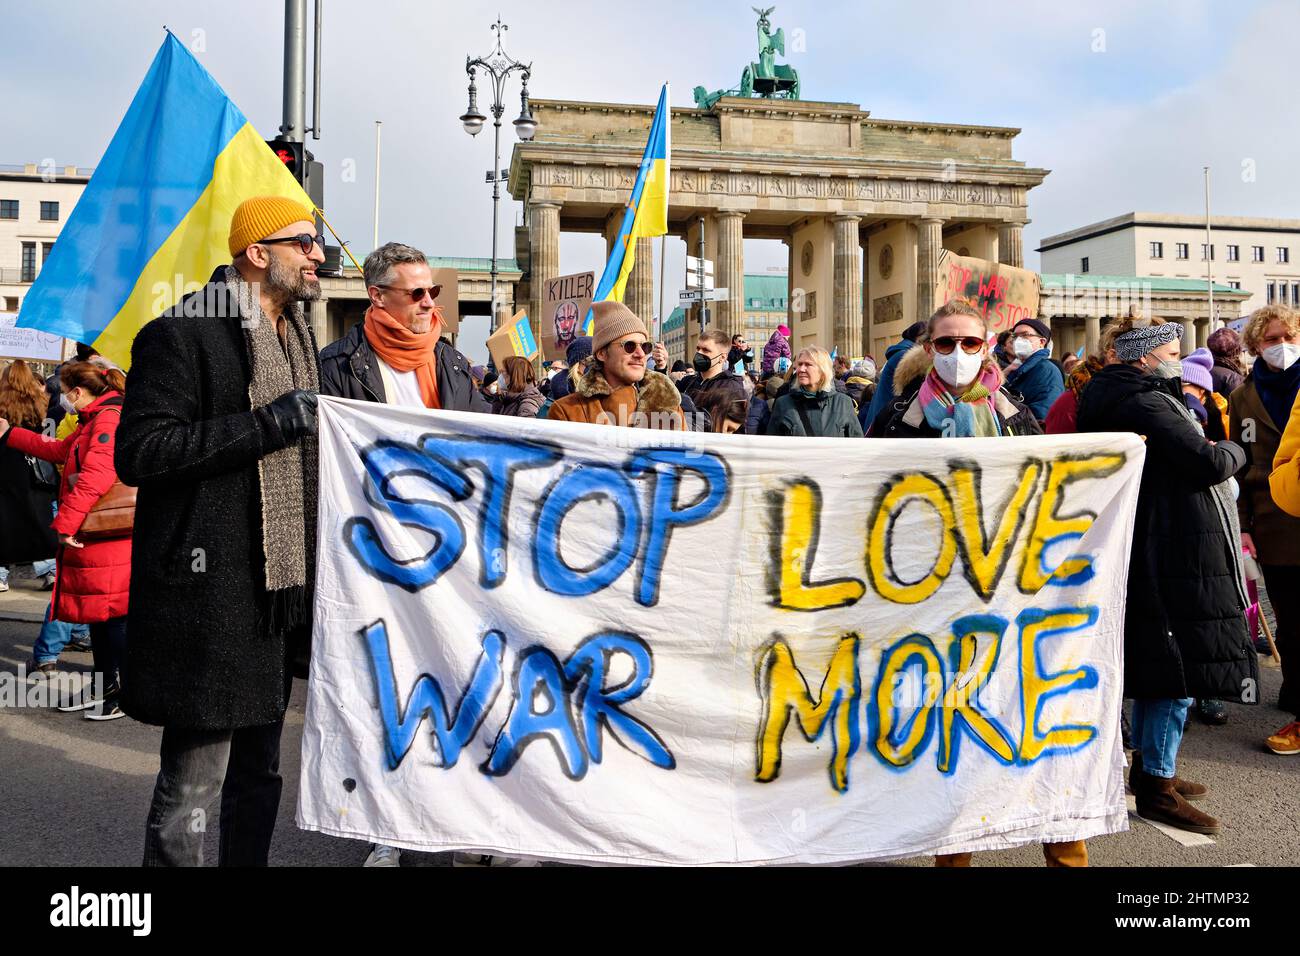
[614,387]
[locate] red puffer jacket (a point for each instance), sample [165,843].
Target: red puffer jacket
[92,582]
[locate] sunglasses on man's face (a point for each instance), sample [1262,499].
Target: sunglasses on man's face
[305,242]
[631,347]
[970,344]
[417,295]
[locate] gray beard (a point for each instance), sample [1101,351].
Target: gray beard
[289,283]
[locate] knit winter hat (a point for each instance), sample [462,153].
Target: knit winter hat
[259,217]
[611,321]
[1135,343]
[1225,343]
[1039,327]
[784,330]
[1196,369]
[578,350]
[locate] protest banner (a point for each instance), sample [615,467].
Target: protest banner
[1005,294]
[513,338]
[29,344]
[564,303]
[598,644]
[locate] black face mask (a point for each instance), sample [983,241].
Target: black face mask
[702,363]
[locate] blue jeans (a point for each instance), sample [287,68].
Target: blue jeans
[54,637]
[39,568]
[1157,732]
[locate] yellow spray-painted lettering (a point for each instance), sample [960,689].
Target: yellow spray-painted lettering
[784,691]
[897,658]
[1037,686]
[799,529]
[879,541]
[1049,526]
[986,559]
[959,701]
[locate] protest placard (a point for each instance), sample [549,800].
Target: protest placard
[1005,294]
[565,302]
[513,338]
[588,643]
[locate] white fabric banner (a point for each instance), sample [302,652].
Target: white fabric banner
[600,644]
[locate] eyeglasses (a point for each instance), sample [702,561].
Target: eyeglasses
[970,344]
[1026,335]
[305,242]
[631,347]
[417,295]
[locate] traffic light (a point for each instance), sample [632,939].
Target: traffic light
[292,155]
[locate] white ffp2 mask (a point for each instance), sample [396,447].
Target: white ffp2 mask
[957,368]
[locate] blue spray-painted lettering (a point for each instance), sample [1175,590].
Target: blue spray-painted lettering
[1083,575]
[590,483]
[665,468]
[400,723]
[538,674]
[950,735]
[595,704]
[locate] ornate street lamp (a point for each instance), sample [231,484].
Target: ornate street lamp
[498,65]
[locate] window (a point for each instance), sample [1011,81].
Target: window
[1207,251]
[1234,284]
[1083,264]
[1272,293]
[11,303]
[46,249]
[1234,253]
[1295,293]
[8,208]
[1256,253]
[1180,250]
[1157,250]
[49,211]
[29,263]
[1283,255]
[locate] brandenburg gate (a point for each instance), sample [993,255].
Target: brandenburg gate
[864,205]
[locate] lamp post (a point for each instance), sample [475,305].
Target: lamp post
[498,65]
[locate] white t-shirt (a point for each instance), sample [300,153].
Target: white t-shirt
[401,388]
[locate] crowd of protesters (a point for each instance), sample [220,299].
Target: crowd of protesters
[216,428]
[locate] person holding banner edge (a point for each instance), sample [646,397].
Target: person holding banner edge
[1184,625]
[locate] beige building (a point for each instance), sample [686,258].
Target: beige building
[765,308]
[1261,257]
[35,202]
[864,205]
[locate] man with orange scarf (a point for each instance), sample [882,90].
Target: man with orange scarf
[395,354]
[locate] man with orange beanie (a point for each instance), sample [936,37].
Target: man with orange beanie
[395,355]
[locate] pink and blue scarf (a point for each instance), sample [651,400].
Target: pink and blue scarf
[969,415]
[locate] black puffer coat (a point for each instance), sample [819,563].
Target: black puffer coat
[200,652]
[1184,625]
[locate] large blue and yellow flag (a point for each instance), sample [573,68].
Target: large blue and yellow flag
[647,208]
[153,222]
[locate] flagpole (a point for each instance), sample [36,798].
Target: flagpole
[1209,256]
[659,322]
[378,128]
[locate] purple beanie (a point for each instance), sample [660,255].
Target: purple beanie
[1196,369]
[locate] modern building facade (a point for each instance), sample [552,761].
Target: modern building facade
[35,202]
[765,308]
[1261,257]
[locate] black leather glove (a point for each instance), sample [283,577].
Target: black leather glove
[295,414]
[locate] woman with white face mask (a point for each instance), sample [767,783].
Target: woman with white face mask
[1270,535]
[950,387]
[1185,631]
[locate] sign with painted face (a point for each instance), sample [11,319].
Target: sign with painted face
[618,645]
[565,302]
[1005,294]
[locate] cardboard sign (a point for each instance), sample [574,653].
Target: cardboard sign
[510,657]
[513,338]
[448,299]
[16,343]
[565,301]
[1005,294]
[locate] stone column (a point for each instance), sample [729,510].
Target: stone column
[1011,246]
[639,295]
[318,316]
[1202,333]
[867,337]
[1188,345]
[929,247]
[846,315]
[544,239]
[1091,335]
[730,272]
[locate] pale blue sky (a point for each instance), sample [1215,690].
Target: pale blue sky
[1125,119]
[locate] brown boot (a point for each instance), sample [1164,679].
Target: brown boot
[1186,789]
[1158,800]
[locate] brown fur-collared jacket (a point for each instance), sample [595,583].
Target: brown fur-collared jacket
[653,403]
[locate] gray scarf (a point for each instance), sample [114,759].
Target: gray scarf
[288,477]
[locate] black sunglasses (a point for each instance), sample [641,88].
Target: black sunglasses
[970,344]
[631,347]
[304,240]
[417,295]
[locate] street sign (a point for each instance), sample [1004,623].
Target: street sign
[688,295]
[693,265]
[716,295]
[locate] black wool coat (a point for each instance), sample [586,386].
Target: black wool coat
[25,511]
[1184,625]
[350,369]
[200,651]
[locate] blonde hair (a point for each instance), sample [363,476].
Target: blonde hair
[957,306]
[822,360]
[1253,333]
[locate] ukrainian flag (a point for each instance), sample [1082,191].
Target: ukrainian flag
[647,208]
[153,222]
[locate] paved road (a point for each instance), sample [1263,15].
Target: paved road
[75,792]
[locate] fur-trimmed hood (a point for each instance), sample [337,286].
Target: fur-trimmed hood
[656,393]
[915,365]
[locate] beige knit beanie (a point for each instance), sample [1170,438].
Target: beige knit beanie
[611,321]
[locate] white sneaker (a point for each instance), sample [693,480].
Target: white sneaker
[486,859]
[381,855]
[4,586]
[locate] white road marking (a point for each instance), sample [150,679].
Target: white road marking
[1181,837]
